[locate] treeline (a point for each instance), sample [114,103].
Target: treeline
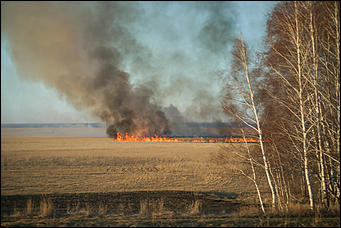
[291,92]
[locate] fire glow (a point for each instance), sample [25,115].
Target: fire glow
[156,138]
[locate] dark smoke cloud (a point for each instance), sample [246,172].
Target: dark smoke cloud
[79,49]
[83,49]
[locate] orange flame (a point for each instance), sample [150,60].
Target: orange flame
[156,138]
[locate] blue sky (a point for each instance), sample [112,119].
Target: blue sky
[182,67]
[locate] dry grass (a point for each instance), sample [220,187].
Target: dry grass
[154,208]
[29,207]
[46,207]
[61,165]
[102,209]
[195,208]
[76,165]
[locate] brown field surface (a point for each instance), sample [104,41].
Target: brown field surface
[71,165]
[65,181]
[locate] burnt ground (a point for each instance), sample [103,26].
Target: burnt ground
[139,208]
[127,203]
[142,209]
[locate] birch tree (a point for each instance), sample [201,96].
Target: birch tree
[303,84]
[239,101]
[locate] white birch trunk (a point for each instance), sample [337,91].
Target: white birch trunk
[324,193]
[259,131]
[302,114]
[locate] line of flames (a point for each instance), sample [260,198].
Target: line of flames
[156,138]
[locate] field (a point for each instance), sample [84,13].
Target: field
[60,181]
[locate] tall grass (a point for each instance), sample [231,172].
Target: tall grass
[195,207]
[46,207]
[29,207]
[102,209]
[154,208]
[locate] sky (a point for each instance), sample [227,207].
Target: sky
[171,49]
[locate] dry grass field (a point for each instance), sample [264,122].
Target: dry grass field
[72,165]
[98,182]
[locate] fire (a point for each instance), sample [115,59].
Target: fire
[249,140]
[156,138]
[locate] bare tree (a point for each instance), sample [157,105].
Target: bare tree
[303,83]
[253,178]
[239,102]
[297,106]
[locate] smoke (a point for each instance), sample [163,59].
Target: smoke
[218,29]
[196,38]
[89,52]
[79,50]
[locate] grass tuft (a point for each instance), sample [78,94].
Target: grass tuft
[195,207]
[29,208]
[46,207]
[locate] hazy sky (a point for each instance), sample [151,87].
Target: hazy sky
[178,55]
